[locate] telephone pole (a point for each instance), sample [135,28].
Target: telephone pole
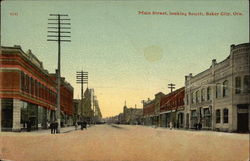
[56,32]
[171,86]
[82,78]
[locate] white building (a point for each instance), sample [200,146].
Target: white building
[219,97]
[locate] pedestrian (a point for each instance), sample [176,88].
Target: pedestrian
[55,127]
[52,126]
[85,124]
[76,125]
[81,125]
[200,126]
[171,125]
[29,125]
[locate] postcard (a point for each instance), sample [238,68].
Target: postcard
[124,80]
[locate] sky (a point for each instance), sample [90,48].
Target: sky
[129,56]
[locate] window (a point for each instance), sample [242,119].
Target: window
[218,90]
[187,99]
[197,96]
[22,81]
[247,84]
[209,93]
[202,95]
[193,113]
[225,88]
[193,97]
[237,85]
[217,116]
[225,115]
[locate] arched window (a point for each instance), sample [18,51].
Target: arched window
[237,85]
[197,96]
[218,90]
[217,116]
[209,93]
[225,115]
[225,88]
[202,95]
[193,97]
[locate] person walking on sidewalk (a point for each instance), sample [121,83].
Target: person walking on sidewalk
[56,127]
[52,126]
[76,125]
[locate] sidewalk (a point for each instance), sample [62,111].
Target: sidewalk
[42,131]
[62,130]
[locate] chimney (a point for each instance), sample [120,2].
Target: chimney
[213,62]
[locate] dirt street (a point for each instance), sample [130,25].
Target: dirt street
[125,143]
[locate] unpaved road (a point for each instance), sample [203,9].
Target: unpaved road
[125,143]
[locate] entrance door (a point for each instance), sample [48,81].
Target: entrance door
[242,122]
[187,120]
[243,119]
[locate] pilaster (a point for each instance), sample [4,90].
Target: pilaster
[17,104]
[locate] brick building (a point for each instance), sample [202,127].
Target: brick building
[172,109]
[27,91]
[149,112]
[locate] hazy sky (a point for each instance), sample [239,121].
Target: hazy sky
[128,56]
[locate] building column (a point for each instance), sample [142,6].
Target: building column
[17,104]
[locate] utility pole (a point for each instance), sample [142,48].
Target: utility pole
[82,78]
[56,32]
[171,86]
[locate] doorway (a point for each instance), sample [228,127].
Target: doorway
[243,118]
[7,114]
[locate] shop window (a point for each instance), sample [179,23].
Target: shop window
[247,84]
[225,115]
[217,116]
[225,88]
[238,85]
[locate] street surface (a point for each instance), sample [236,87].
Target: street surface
[124,143]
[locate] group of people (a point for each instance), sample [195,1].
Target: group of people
[198,126]
[54,127]
[83,125]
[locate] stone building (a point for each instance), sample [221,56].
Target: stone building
[27,91]
[219,97]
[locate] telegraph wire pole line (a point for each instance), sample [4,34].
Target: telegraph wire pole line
[82,78]
[57,31]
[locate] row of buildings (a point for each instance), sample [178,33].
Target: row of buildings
[217,98]
[87,109]
[129,116]
[28,93]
